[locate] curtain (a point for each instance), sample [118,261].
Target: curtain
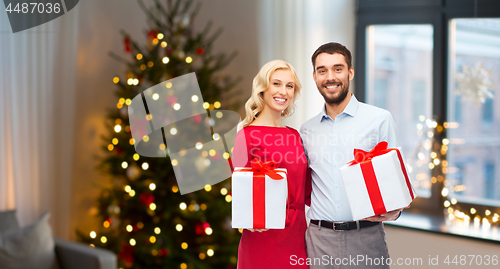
[37,80]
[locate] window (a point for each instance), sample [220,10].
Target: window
[400,66]
[441,60]
[488,111]
[489,181]
[474,57]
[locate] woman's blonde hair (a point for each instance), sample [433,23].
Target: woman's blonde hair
[255,103]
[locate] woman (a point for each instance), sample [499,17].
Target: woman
[261,135]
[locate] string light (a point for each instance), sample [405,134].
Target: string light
[124,165]
[145,166]
[177,106]
[116,80]
[194,98]
[223,191]
[183,206]
[208,188]
[152,239]
[199,145]
[104,239]
[189,59]
[156,96]
[174,163]
[217,104]
[165,60]
[211,152]
[131,193]
[136,156]
[178,227]
[175,189]
[219,114]
[118,128]
[152,186]
[93,235]
[229,198]
[132,242]
[206,105]
[164,44]
[208,230]
[129,228]
[184,245]
[152,206]
[173,131]
[225,155]
[183,266]
[210,252]
[110,147]
[157,230]
[139,56]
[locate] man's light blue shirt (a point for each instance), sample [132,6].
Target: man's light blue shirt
[329,145]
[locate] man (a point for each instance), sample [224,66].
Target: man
[333,238]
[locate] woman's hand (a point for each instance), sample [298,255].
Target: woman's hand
[258,230]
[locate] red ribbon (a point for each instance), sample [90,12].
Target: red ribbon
[364,159]
[260,170]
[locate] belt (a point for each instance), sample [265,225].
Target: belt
[344,225]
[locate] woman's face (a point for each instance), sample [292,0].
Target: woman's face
[280,92]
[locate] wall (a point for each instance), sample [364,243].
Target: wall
[413,244]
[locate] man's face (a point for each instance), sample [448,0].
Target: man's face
[332,77]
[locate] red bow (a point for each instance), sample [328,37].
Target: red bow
[363,156]
[266,168]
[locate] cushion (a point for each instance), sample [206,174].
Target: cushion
[8,220]
[29,247]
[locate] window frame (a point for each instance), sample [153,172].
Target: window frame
[436,13]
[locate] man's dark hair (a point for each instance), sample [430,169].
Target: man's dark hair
[332,48]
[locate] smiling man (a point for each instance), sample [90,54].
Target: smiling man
[333,238]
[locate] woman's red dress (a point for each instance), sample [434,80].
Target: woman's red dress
[275,248]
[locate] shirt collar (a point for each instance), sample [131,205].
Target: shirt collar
[350,109]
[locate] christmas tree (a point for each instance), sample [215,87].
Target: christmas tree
[145,219]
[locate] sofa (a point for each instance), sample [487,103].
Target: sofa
[34,247]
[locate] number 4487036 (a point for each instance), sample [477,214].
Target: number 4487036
[34,8]
[471,260]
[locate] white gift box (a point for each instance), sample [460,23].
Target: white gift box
[377,186]
[272,199]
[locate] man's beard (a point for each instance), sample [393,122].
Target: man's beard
[344,90]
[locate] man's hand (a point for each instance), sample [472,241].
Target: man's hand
[391,215]
[258,230]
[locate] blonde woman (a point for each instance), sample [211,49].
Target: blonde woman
[261,135]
